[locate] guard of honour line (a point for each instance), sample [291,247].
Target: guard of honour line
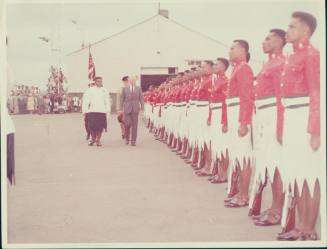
[238,130]
[265,127]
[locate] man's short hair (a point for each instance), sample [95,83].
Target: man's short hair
[208,62]
[307,18]
[98,78]
[224,61]
[125,78]
[244,44]
[193,69]
[280,33]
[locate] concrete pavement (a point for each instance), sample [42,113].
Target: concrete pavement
[69,192]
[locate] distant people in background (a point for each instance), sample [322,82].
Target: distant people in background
[47,104]
[40,104]
[15,104]
[69,103]
[75,103]
[64,103]
[30,103]
[79,109]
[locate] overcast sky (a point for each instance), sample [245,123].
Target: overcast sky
[29,57]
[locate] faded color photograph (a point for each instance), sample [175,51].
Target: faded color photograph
[165,123]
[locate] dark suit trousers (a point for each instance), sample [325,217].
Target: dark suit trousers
[131,122]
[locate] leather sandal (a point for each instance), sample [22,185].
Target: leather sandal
[292,235]
[271,218]
[237,202]
[218,180]
[310,236]
[257,217]
[202,173]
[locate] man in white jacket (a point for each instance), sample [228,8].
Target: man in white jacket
[97,104]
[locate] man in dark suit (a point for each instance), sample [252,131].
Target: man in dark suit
[131,101]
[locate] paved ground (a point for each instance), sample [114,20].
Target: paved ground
[69,192]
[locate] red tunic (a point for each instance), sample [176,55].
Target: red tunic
[194,92]
[188,91]
[203,89]
[218,92]
[301,77]
[178,94]
[268,84]
[241,85]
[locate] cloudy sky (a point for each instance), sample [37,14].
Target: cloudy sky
[29,57]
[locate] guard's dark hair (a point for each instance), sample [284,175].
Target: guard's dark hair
[208,62]
[98,78]
[181,73]
[224,61]
[280,33]
[187,71]
[307,18]
[193,68]
[125,78]
[244,44]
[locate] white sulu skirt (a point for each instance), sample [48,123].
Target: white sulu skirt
[201,130]
[215,133]
[192,126]
[267,150]
[183,121]
[238,147]
[146,110]
[299,161]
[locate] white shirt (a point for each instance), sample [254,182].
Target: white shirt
[96,99]
[132,88]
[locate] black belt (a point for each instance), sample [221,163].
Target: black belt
[264,97]
[202,105]
[234,104]
[192,103]
[216,108]
[294,97]
[296,106]
[266,106]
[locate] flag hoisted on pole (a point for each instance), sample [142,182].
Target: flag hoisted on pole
[91,66]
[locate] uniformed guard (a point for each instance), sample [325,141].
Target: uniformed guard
[266,142]
[240,108]
[301,154]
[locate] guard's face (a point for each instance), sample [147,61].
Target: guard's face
[271,42]
[207,69]
[235,51]
[296,30]
[218,67]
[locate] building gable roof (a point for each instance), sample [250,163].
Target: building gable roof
[146,21]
